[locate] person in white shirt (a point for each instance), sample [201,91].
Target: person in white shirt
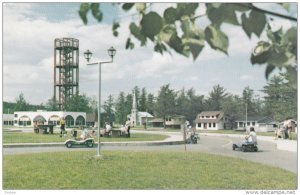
[84,134]
[107,127]
[251,138]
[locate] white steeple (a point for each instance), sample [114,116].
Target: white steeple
[133,118]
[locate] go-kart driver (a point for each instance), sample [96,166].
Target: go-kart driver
[251,138]
[84,134]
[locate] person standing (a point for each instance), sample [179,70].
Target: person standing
[127,124]
[107,128]
[62,126]
[286,125]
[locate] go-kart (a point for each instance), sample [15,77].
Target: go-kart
[89,142]
[245,147]
[192,136]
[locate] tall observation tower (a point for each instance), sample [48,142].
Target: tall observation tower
[66,70]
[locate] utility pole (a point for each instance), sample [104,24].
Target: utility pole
[246,118]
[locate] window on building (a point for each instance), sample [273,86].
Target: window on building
[16,115]
[199,124]
[253,123]
[202,116]
[16,122]
[248,123]
[209,124]
[212,116]
[207,116]
[214,124]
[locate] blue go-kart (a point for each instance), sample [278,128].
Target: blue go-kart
[245,147]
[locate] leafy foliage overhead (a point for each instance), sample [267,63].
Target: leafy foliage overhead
[179,28]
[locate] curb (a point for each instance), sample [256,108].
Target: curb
[154,143]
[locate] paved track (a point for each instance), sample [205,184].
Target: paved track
[267,154]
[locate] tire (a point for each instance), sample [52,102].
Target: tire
[255,149]
[90,144]
[194,140]
[244,149]
[233,147]
[69,144]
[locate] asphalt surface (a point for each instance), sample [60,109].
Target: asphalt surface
[267,154]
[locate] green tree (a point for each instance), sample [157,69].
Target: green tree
[182,30]
[165,104]
[248,99]
[93,104]
[150,104]
[78,103]
[128,104]
[108,108]
[233,108]
[215,98]
[120,109]
[182,103]
[196,105]
[21,103]
[8,107]
[52,105]
[143,100]
[281,98]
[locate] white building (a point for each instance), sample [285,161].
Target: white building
[141,119]
[8,119]
[174,121]
[210,120]
[260,124]
[136,117]
[27,118]
[134,113]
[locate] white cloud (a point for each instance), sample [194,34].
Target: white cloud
[28,50]
[191,78]
[246,77]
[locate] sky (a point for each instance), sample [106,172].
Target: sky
[29,30]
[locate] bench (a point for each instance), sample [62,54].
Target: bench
[115,133]
[44,129]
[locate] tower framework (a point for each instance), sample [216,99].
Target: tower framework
[66,70]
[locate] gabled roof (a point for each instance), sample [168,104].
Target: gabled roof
[175,116]
[266,120]
[218,115]
[144,114]
[258,119]
[249,118]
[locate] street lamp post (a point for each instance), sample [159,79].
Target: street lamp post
[88,54]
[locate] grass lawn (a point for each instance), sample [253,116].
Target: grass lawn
[19,137]
[140,170]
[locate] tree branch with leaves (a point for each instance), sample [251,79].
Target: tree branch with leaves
[178,30]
